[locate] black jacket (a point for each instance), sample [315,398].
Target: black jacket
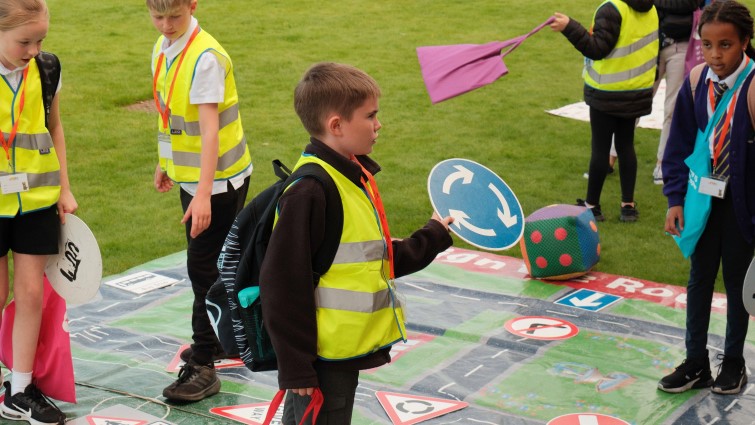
[598,45]
[675,18]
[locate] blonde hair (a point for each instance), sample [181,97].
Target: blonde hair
[329,87]
[165,6]
[15,13]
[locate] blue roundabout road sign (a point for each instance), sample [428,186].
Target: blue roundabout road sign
[486,212]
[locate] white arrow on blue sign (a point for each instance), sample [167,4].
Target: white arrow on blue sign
[486,212]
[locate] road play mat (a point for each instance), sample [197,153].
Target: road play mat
[486,345]
[580,110]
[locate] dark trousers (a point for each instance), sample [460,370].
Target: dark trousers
[202,264]
[338,390]
[720,244]
[606,129]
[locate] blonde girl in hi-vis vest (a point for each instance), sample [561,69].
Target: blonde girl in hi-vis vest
[34,196]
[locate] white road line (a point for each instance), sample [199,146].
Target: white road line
[666,335]
[110,306]
[417,287]
[562,314]
[480,422]
[736,400]
[465,298]
[473,371]
[519,304]
[441,389]
[613,323]
[712,421]
[499,353]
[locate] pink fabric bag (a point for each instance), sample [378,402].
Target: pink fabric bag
[452,70]
[53,364]
[694,54]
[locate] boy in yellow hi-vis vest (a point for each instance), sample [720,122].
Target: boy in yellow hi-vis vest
[327,328]
[201,147]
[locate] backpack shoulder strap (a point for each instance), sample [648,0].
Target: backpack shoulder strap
[49,74]
[694,78]
[324,257]
[751,101]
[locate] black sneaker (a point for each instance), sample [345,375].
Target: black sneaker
[31,406]
[219,355]
[596,211]
[692,373]
[194,383]
[732,375]
[629,214]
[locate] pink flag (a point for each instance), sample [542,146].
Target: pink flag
[53,364]
[451,70]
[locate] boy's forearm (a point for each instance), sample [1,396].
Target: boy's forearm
[209,127]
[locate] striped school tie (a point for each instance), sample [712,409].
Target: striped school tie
[722,164]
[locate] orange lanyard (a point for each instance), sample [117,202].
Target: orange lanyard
[165,113]
[8,143]
[370,186]
[722,135]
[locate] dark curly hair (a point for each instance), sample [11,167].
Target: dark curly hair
[732,12]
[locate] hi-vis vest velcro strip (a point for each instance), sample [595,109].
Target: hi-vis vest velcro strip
[357,252]
[359,302]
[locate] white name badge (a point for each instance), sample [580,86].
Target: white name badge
[165,149]
[712,187]
[14,183]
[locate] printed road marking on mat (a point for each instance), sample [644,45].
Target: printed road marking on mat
[587,299]
[586,419]
[104,420]
[541,327]
[414,340]
[407,409]
[119,415]
[250,414]
[176,362]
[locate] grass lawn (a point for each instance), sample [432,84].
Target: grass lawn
[105,49]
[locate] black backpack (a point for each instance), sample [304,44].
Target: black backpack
[49,74]
[241,330]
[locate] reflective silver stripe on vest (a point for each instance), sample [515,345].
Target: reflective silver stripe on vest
[359,252]
[191,128]
[31,141]
[621,76]
[360,302]
[188,159]
[41,179]
[636,46]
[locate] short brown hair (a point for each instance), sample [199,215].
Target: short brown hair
[165,6]
[329,87]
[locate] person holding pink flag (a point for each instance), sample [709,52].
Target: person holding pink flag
[621,54]
[35,192]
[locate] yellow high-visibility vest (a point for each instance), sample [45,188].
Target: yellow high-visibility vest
[32,151]
[180,145]
[358,310]
[632,63]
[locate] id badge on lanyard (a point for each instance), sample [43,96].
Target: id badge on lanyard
[14,183]
[714,185]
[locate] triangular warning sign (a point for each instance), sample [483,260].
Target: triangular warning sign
[407,409]
[105,420]
[250,414]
